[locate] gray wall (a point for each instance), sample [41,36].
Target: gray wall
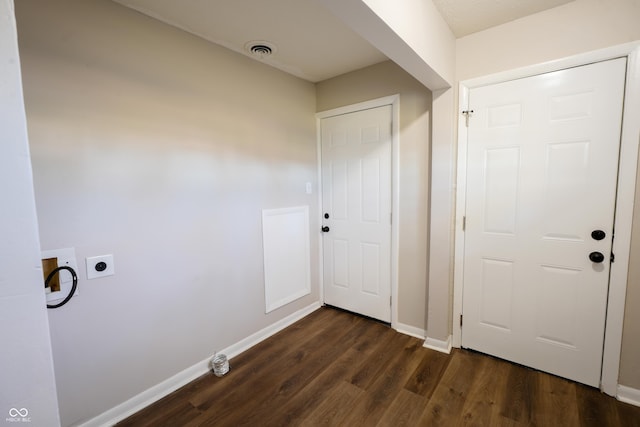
[162,149]
[630,357]
[415,114]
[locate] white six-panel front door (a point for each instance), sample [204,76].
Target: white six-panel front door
[541,178]
[356,200]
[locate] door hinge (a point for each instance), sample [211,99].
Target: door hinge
[612,259]
[466,114]
[464,223]
[461,320]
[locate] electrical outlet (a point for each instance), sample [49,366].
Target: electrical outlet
[100,266]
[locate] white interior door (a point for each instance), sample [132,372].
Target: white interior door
[541,180]
[356,199]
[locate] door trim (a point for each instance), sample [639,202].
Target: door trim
[394,102]
[624,200]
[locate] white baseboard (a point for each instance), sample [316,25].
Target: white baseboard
[438,345]
[628,395]
[170,385]
[410,330]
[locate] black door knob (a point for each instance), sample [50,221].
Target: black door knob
[325,229]
[598,234]
[596,257]
[326,215]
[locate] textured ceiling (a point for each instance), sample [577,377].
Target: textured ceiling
[309,41]
[469,16]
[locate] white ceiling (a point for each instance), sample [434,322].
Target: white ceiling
[469,16]
[310,42]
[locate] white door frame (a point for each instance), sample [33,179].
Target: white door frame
[624,199]
[394,102]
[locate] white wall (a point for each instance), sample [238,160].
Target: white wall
[410,32]
[421,26]
[577,27]
[26,367]
[162,149]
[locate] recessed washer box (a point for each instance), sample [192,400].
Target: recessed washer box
[64,257]
[100,266]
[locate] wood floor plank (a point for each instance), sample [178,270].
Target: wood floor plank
[265,355]
[481,406]
[508,422]
[319,371]
[370,407]
[558,397]
[164,417]
[628,415]
[593,410]
[342,369]
[279,379]
[429,373]
[369,344]
[404,410]
[337,369]
[335,407]
[175,405]
[518,403]
[377,362]
[446,403]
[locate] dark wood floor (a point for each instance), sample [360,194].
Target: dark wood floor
[337,369]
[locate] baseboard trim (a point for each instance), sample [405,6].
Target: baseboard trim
[439,345]
[170,385]
[410,330]
[628,395]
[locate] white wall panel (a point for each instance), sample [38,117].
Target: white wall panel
[287,268]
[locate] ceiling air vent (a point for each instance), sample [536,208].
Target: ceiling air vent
[260,49]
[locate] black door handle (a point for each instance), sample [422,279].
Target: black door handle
[598,234]
[325,229]
[596,257]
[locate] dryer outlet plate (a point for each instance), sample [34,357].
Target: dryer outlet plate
[100,266]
